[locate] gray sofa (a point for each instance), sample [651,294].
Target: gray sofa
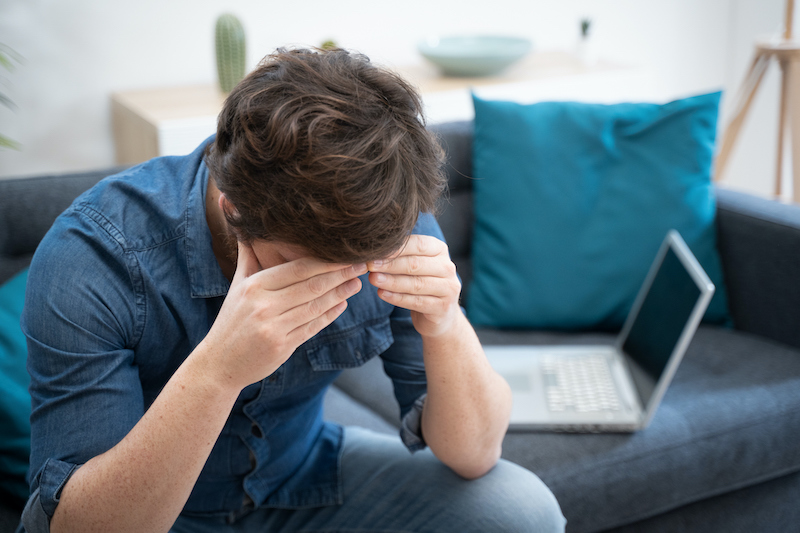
[722,452]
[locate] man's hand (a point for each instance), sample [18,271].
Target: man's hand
[421,278]
[268,313]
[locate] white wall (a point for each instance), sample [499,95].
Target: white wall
[77,53]
[752,164]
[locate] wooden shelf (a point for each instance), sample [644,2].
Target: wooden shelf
[535,66]
[174,120]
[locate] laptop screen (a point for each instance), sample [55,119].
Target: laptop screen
[660,321]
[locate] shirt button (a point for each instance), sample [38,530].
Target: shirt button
[256,431]
[273,378]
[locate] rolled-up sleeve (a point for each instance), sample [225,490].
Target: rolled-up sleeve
[403,363]
[411,427]
[42,503]
[80,320]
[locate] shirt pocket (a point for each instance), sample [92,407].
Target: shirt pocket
[351,347]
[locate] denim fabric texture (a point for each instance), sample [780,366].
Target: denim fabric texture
[122,289]
[388,490]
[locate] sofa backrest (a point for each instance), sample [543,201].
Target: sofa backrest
[28,207]
[455,207]
[758,239]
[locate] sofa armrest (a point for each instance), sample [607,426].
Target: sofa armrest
[759,245]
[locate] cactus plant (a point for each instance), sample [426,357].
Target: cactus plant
[230,45]
[329,44]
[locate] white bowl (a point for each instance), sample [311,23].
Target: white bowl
[474,55]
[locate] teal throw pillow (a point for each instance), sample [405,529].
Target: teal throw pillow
[572,201]
[15,402]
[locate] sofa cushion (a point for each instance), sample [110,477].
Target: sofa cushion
[572,201]
[15,403]
[342,409]
[369,385]
[730,419]
[768,506]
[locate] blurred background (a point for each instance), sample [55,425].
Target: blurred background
[75,55]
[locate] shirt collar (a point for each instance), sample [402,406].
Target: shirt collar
[205,275]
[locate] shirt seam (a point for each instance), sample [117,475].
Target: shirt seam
[131,264]
[140,296]
[102,221]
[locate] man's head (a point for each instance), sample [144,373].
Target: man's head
[325,151]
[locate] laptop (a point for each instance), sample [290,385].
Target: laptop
[615,388]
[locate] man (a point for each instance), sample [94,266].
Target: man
[186,316]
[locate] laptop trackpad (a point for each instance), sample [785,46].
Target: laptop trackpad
[518,382]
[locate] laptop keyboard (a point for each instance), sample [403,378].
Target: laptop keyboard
[580,383]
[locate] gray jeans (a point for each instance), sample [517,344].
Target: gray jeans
[389,490]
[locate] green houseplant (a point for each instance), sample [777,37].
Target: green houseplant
[8,59]
[230,47]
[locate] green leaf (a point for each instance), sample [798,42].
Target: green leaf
[5,142]
[6,101]
[13,54]
[8,57]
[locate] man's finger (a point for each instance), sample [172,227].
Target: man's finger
[426,285]
[415,265]
[246,262]
[415,302]
[287,274]
[304,332]
[305,291]
[420,245]
[311,310]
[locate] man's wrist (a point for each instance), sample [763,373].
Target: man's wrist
[453,333]
[208,373]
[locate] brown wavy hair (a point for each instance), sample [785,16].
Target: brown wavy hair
[324,150]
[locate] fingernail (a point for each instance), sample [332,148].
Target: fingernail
[380,278]
[360,268]
[353,285]
[378,262]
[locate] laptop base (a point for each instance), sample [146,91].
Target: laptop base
[521,366]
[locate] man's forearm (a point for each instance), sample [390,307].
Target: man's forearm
[143,482]
[468,405]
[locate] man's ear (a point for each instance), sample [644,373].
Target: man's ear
[225,205]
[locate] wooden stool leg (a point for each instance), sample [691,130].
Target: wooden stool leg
[794,125]
[745,98]
[784,111]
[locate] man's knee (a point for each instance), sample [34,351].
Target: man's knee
[521,502]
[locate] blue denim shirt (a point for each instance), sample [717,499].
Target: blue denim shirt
[122,289]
